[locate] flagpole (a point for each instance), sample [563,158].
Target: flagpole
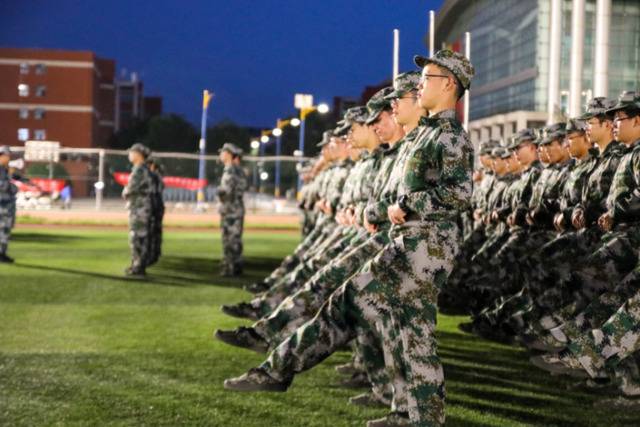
[432,32]
[467,48]
[206,98]
[396,53]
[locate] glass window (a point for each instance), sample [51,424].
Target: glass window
[41,90]
[23,134]
[40,134]
[23,90]
[38,113]
[24,68]
[24,113]
[41,69]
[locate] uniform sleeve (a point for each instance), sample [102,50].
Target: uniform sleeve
[139,184]
[627,201]
[438,176]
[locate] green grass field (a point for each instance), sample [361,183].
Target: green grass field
[79,345]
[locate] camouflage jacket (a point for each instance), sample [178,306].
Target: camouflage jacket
[594,193]
[520,195]
[482,190]
[366,175]
[335,185]
[571,193]
[544,199]
[389,177]
[157,201]
[624,197]
[231,190]
[138,190]
[436,176]
[7,189]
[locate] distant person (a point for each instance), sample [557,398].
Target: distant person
[65,195]
[157,211]
[231,192]
[137,193]
[8,192]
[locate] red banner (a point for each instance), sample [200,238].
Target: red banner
[41,185]
[193,184]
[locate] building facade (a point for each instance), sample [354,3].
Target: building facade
[512,45]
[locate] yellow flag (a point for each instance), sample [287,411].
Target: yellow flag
[206,97]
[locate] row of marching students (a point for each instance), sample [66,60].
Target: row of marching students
[382,233]
[144,196]
[550,257]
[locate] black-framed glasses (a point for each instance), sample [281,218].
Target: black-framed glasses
[620,119]
[425,77]
[396,100]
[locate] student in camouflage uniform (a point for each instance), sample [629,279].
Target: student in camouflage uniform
[7,204]
[157,211]
[616,256]
[137,193]
[397,290]
[231,195]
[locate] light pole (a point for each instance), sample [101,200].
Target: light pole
[206,98]
[277,132]
[304,103]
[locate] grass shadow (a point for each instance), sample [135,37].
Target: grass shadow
[47,239]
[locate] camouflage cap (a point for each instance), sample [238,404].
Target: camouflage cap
[326,138]
[522,136]
[576,125]
[455,62]
[553,132]
[404,83]
[377,104]
[342,127]
[230,148]
[628,100]
[141,148]
[500,153]
[598,107]
[4,149]
[486,147]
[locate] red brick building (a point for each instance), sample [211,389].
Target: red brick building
[56,95]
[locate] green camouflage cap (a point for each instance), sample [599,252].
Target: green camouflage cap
[500,153]
[404,83]
[141,148]
[231,148]
[576,125]
[552,132]
[326,138]
[342,127]
[486,147]
[628,100]
[353,115]
[377,104]
[598,107]
[455,62]
[524,135]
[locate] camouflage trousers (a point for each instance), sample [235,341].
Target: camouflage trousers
[231,227]
[6,223]
[614,341]
[394,295]
[603,266]
[139,238]
[323,227]
[313,260]
[308,221]
[155,237]
[298,308]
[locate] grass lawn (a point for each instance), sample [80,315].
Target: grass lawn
[79,345]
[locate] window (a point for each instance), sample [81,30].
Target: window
[24,113]
[41,90]
[24,68]
[38,113]
[41,69]
[23,90]
[39,134]
[23,134]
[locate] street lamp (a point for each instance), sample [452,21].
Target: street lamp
[277,132]
[304,103]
